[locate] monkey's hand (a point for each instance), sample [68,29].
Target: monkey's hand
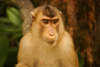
[20,65]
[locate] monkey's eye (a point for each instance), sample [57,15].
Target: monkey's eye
[45,21]
[55,21]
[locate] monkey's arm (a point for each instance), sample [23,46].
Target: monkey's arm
[20,65]
[70,51]
[23,53]
[21,58]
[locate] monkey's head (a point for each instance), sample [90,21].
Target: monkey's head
[47,22]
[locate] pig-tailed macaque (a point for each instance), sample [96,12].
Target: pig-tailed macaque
[47,44]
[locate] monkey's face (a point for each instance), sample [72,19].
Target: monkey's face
[48,23]
[49,28]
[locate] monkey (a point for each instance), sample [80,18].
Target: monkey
[47,43]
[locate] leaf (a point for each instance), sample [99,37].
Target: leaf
[4,20]
[80,59]
[4,45]
[10,30]
[18,35]
[14,16]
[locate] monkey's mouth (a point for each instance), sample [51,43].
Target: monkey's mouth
[50,41]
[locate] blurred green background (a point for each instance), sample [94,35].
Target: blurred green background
[10,34]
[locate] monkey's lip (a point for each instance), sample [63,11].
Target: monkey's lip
[50,41]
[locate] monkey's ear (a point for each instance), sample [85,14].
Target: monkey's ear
[33,15]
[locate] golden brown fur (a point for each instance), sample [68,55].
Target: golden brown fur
[34,51]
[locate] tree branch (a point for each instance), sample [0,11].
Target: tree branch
[25,7]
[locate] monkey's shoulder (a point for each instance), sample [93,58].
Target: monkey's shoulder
[67,40]
[66,34]
[66,44]
[26,40]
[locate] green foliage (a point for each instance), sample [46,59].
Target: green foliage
[14,16]
[3,49]
[4,20]
[80,58]
[10,34]
[12,56]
